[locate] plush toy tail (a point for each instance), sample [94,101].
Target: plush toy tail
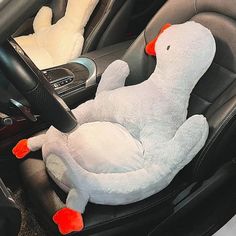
[150,48]
[68,221]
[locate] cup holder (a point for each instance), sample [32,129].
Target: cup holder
[91,67]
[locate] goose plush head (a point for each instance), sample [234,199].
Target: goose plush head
[184,52]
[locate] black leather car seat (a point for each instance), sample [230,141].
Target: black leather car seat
[214,96]
[107,25]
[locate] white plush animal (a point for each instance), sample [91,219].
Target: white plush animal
[131,141]
[57,44]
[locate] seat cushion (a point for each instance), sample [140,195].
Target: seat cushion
[47,198]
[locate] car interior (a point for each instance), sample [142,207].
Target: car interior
[200,199]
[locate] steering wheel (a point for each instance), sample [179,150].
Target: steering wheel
[24,75]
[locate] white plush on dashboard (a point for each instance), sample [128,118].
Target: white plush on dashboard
[57,44]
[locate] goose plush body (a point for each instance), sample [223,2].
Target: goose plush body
[130,141]
[56,44]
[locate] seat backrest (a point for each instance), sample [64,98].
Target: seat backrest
[215,94]
[58,9]
[108,24]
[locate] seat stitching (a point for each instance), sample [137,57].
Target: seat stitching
[201,98]
[223,67]
[89,38]
[203,155]
[98,23]
[195,6]
[213,139]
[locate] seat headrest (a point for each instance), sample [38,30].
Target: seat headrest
[177,12]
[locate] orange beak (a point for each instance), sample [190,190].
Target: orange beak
[150,48]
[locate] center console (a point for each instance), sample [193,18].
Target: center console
[77,81]
[80,73]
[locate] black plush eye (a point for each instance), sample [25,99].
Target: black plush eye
[168,47]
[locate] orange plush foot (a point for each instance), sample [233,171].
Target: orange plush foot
[68,221]
[21,149]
